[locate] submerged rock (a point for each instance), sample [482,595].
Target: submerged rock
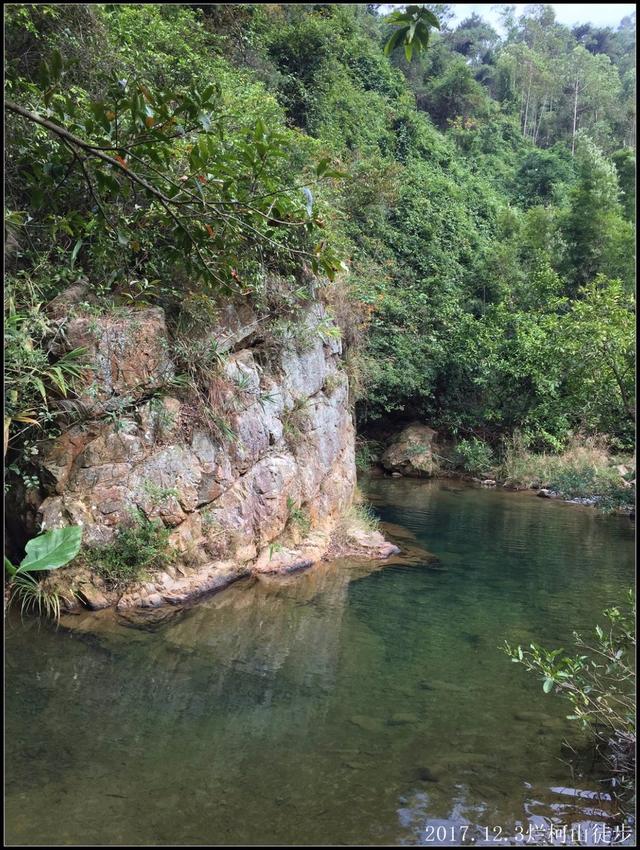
[426,775]
[530,717]
[401,718]
[369,724]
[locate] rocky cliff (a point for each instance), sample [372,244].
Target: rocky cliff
[263,490]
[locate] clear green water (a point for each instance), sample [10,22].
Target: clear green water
[350,704]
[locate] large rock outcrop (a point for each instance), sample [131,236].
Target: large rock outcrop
[233,499]
[415,452]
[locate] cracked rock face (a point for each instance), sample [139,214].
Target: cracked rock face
[227,500]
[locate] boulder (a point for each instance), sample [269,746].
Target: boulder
[63,304]
[413,452]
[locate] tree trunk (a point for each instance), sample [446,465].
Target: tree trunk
[575,118]
[537,125]
[526,111]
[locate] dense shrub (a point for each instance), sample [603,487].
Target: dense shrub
[474,455]
[138,548]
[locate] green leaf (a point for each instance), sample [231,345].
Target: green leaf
[395,40]
[259,131]
[422,37]
[37,197]
[322,167]
[44,75]
[52,549]
[430,18]
[40,387]
[56,64]
[9,566]
[74,253]
[206,94]
[547,686]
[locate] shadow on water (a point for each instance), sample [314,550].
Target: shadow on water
[350,704]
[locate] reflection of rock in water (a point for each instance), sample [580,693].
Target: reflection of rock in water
[264,643]
[268,643]
[276,641]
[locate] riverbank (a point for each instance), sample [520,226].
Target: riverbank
[586,473]
[353,535]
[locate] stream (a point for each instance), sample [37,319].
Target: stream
[355,703]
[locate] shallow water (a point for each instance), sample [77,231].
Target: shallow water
[352,704]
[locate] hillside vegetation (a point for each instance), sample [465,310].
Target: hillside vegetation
[469,214]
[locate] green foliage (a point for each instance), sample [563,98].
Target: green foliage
[599,683]
[294,419]
[140,546]
[367,453]
[273,140]
[474,455]
[49,551]
[298,517]
[413,28]
[32,596]
[598,239]
[157,153]
[34,377]
[541,176]
[158,494]
[584,470]
[595,345]
[362,516]
[605,485]
[625,163]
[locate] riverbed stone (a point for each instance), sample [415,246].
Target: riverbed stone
[425,774]
[402,718]
[368,724]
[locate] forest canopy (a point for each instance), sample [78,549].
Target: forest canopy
[469,210]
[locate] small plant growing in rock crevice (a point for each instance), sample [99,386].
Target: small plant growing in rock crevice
[294,418]
[217,537]
[332,382]
[158,494]
[137,548]
[364,516]
[298,517]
